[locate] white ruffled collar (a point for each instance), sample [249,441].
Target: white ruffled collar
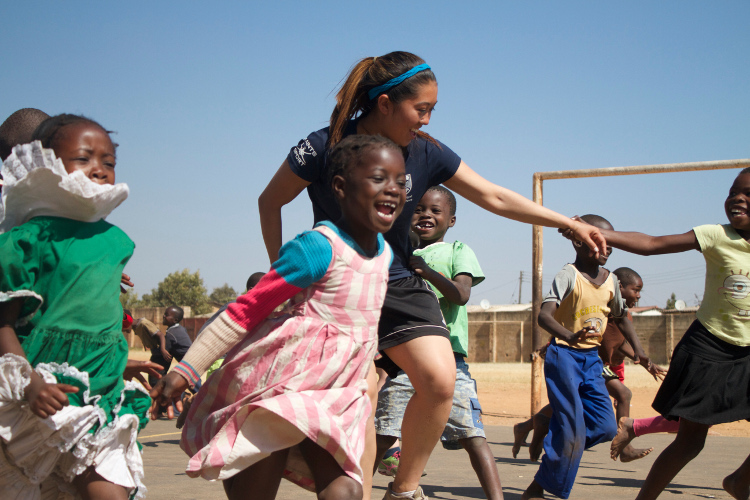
[36,184]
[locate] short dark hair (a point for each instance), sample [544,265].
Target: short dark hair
[626,275]
[448,194]
[348,153]
[178,312]
[47,131]
[18,128]
[745,170]
[253,280]
[596,220]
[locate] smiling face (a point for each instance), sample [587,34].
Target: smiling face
[631,292]
[372,194]
[86,147]
[405,118]
[737,205]
[432,217]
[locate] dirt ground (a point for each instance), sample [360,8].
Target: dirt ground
[505,388]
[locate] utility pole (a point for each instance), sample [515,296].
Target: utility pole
[520,284]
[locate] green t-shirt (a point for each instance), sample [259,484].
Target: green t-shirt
[450,260]
[725,308]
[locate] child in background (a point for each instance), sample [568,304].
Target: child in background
[290,398]
[613,351]
[576,312]
[451,269]
[68,421]
[708,378]
[18,129]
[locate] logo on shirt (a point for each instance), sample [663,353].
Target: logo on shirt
[596,323]
[304,148]
[408,186]
[736,290]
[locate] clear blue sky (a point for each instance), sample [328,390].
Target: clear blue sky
[207,100]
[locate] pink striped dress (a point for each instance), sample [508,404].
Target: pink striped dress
[299,375]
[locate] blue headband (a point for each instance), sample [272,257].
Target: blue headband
[373,93]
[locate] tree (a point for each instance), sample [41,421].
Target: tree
[130,300]
[222,295]
[671,301]
[180,288]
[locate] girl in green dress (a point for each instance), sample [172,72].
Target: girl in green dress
[68,420]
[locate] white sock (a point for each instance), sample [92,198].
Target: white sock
[405,494]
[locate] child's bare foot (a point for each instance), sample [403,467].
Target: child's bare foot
[625,435]
[519,438]
[629,453]
[541,428]
[533,492]
[734,485]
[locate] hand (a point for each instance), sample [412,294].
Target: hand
[655,370]
[165,354]
[125,280]
[47,399]
[167,391]
[585,333]
[543,351]
[419,265]
[134,369]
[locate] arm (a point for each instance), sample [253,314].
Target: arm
[163,345]
[655,370]
[44,399]
[548,322]
[643,244]
[284,187]
[626,327]
[511,205]
[457,290]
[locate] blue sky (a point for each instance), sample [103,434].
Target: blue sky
[207,100]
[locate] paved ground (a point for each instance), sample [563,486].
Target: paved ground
[450,476]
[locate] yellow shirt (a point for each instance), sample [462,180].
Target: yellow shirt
[584,304]
[725,308]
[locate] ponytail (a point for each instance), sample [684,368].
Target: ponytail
[352,98]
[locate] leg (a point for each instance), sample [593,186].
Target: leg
[431,367]
[92,486]
[483,462]
[331,482]
[541,428]
[520,433]
[629,428]
[622,396]
[368,459]
[384,443]
[260,481]
[737,483]
[533,492]
[687,445]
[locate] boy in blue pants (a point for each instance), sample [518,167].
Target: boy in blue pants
[451,269]
[575,312]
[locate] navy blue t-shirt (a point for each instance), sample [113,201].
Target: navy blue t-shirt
[427,165]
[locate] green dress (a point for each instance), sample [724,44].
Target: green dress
[68,272]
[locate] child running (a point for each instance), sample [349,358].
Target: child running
[290,399]
[575,312]
[68,421]
[708,378]
[451,269]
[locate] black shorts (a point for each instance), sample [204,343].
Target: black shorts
[410,310]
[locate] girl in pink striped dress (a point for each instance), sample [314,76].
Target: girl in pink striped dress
[290,399]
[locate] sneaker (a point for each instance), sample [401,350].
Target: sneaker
[418,494]
[389,466]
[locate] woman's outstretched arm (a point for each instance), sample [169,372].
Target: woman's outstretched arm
[284,187]
[509,204]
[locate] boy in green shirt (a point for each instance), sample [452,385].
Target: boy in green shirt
[451,269]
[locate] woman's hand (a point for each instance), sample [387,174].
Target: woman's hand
[588,234]
[135,368]
[47,399]
[167,391]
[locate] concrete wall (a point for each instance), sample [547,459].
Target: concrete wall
[502,337]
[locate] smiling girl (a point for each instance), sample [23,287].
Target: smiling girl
[394,96]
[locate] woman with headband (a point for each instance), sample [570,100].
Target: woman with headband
[393,96]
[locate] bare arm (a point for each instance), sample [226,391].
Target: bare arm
[509,204]
[163,345]
[284,187]
[643,244]
[457,290]
[626,327]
